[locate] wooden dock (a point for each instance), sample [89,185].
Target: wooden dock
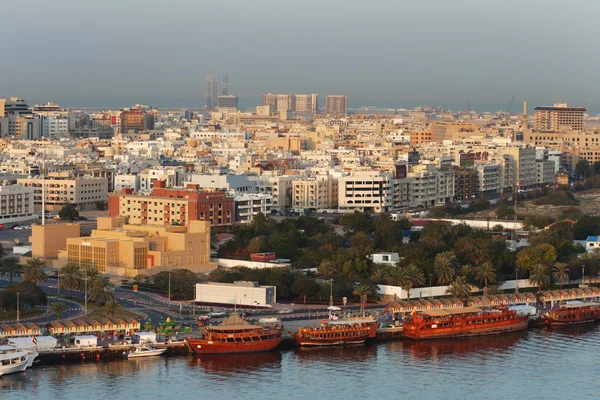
[99,353]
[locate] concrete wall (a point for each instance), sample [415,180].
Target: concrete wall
[228,263]
[482,223]
[436,291]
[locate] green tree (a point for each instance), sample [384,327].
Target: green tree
[538,276]
[100,289]
[68,212]
[256,245]
[379,273]
[58,308]
[29,295]
[459,288]
[560,273]
[357,222]
[113,308]
[362,290]
[361,244]
[445,265]
[485,273]
[583,170]
[326,269]
[413,277]
[504,212]
[10,266]
[304,286]
[34,271]
[70,277]
[531,256]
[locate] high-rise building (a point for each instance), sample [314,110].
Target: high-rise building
[269,99]
[136,119]
[285,102]
[336,104]
[224,86]
[307,103]
[227,101]
[211,91]
[559,117]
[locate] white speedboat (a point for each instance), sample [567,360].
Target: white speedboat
[13,362]
[144,351]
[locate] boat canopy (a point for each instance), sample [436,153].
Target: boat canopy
[452,311]
[234,323]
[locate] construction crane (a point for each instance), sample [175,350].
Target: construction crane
[507,112]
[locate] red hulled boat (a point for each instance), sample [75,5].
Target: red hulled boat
[332,335]
[462,322]
[573,313]
[235,335]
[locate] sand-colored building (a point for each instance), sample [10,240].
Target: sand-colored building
[48,240]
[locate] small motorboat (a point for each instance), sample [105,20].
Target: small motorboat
[144,351]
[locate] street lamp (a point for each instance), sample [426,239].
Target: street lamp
[85,297]
[331,292]
[583,274]
[430,287]
[169,287]
[17,307]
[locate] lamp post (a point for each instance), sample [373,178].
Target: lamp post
[85,296]
[169,287]
[331,292]
[17,307]
[430,287]
[583,274]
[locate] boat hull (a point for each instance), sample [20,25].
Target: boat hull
[14,368]
[551,322]
[458,332]
[201,346]
[307,342]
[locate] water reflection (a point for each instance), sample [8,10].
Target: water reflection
[358,353]
[476,346]
[229,364]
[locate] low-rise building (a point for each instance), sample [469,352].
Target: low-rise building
[319,192]
[130,250]
[366,191]
[240,293]
[48,240]
[16,204]
[62,188]
[173,206]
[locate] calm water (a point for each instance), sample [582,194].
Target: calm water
[559,364]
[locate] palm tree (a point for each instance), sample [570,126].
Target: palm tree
[538,276]
[485,273]
[70,277]
[495,290]
[100,289]
[326,269]
[413,277]
[10,266]
[396,276]
[560,273]
[379,273]
[113,308]
[58,308]
[459,288]
[362,290]
[444,266]
[34,271]
[90,272]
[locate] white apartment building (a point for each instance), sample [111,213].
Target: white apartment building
[174,177]
[54,125]
[429,186]
[314,193]
[131,181]
[524,161]
[16,204]
[366,191]
[546,175]
[279,186]
[62,188]
[249,205]
[230,183]
[490,178]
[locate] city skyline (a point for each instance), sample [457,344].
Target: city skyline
[391,54]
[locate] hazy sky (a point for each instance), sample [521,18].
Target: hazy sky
[379,52]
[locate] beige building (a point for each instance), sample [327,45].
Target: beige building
[320,192]
[336,104]
[48,240]
[130,250]
[366,191]
[559,117]
[453,130]
[62,188]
